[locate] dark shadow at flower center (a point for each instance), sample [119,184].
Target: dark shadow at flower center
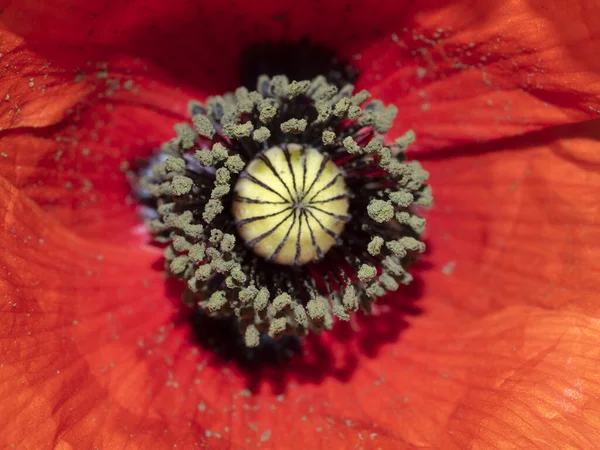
[301,60]
[279,364]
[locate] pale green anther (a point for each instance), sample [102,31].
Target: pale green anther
[262,299]
[326,92]
[279,84]
[238,275]
[176,165]
[359,98]
[374,247]
[354,112]
[179,264]
[403,217]
[385,118]
[341,107]
[297,88]
[235,164]
[417,224]
[281,302]
[215,236]
[203,125]
[294,126]
[180,244]
[193,231]
[222,176]
[220,191]
[396,248]
[217,301]
[425,197]
[178,220]
[219,151]
[388,282]
[267,111]
[156,226]
[418,176]
[402,198]
[393,267]
[352,147]
[300,315]
[197,252]
[261,134]
[349,299]
[341,313]
[213,253]
[316,310]
[181,185]
[166,208]
[252,336]
[366,272]
[248,294]
[405,140]
[375,290]
[227,242]
[212,209]
[328,137]
[170,253]
[205,157]
[323,112]
[412,244]
[243,130]
[380,210]
[244,102]
[221,266]
[192,285]
[187,136]
[277,327]
[255,97]
[374,146]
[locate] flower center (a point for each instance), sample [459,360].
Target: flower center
[290,204]
[254,197]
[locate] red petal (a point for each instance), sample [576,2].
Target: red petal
[469,71]
[504,352]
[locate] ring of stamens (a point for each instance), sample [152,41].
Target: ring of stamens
[290,204]
[223,186]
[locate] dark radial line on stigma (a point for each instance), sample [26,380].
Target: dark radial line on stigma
[304,169]
[331,199]
[257,239]
[319,173]
[263,185]
[242,199]
[337,216]
[329,185]
[298,246]
[288,158]
[284,239]
[312,236]
[327,230]
[255,218]
[264,158]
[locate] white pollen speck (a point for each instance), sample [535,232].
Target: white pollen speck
[448,268]
[265,436]
[201,406]
[421,72]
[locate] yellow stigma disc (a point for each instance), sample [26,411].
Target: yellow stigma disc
[290,204]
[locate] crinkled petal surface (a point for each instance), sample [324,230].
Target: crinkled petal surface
[494,345]
[504,352]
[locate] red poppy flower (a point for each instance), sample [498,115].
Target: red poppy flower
[493,346]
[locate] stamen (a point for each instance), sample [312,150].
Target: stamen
[284,208]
